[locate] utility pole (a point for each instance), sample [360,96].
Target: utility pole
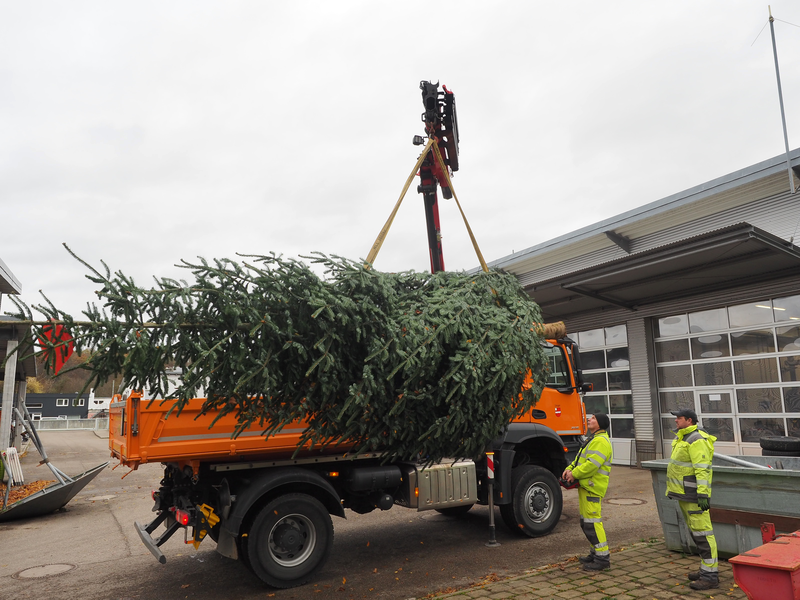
[780,98]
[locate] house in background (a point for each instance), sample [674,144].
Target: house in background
[58,406]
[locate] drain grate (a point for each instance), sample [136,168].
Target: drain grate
[44,571]
[626,501]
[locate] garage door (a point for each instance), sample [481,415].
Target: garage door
[737,366]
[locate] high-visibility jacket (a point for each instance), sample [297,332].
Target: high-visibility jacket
[592,466]
[689,469]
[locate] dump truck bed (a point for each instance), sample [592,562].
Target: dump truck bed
[141,432]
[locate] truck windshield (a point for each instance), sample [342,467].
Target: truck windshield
[558,367]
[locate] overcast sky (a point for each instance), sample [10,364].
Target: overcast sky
[142,133]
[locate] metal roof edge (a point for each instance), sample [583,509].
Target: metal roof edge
[732,180]
[7,280]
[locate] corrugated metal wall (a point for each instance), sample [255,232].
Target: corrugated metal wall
[643,389]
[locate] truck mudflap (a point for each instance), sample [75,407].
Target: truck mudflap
[153,544]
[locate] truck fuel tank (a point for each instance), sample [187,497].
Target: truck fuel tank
[441,485]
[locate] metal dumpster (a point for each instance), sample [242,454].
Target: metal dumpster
[741,499]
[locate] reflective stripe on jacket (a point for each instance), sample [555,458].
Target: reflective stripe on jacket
[689,469]
[592,466]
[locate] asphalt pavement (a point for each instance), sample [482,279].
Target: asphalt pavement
[90,549]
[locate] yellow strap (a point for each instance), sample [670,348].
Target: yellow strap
[446,172]
[373,253]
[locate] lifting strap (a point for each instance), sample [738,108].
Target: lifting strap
[373,253]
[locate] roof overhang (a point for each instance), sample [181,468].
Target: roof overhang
[8,283]
[10,330]
[726,258]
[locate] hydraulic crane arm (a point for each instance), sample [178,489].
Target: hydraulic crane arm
[440,124]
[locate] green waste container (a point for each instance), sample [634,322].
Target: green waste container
[742,498]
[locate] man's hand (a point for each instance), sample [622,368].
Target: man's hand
[567,476]
[704,503]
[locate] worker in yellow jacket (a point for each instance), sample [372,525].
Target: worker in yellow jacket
[689,482]
[592,468]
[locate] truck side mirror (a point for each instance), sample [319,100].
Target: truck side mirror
[587,387]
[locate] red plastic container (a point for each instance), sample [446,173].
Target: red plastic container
[771,571]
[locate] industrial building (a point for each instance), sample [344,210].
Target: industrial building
[689,301]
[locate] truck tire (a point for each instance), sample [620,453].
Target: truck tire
[535,501]
[291,538]
[765,452]
[455,511]
[780,443]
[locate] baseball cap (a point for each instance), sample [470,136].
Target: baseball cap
[686,413]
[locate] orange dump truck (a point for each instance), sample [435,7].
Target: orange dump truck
[273,511]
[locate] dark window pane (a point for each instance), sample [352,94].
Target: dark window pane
[794,427]
[617,358]
[756,341]
[595,404]
[788,338]
[667,429]
[718,373]
[676,400]
[710,346]
[754,429]
[677,325]
[622,428]
[672,350]
[715,403]
[764,400]
[752,313]
[721,428]
[786,308]
[598,380]
[593,360]
[757,370]
[621,404]
[619,380]
[791,399]
[708,320]
[790,368]
[677,376]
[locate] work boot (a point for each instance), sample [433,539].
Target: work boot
[584,560]
[694,576]
[597,565]
[704,584]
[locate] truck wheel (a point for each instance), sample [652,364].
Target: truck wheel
[535,502]
[455,511]
[290,539]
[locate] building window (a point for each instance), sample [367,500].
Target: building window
[78,401]
[33,405]
[62,401]
[737,366]
[605,361]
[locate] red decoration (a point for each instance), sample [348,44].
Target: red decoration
[64,346]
